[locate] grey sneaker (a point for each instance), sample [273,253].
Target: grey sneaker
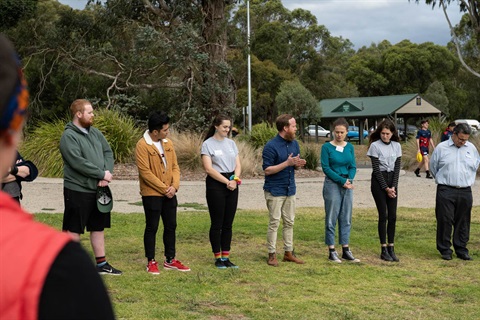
[333,256]
[108,269]
[347,255]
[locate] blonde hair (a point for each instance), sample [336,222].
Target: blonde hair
[78,105]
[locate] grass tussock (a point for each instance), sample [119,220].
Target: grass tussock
[420,286]
[187,147]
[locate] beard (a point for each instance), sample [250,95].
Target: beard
[85,123]
[290,136]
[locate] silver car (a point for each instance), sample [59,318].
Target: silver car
[321,132]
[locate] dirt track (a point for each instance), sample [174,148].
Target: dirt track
[46,195]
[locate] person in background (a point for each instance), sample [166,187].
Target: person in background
[222,164]
[281,156]
[87,165]
[44,274]
[159,176]
[448,132]
[454,165]
[424,140]
[338,164]
[385,153]
[22,170]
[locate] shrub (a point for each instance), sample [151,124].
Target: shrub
[41,146]
[311,153]
[187,147]
[250,159]
[260,135]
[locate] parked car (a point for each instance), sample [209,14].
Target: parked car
[321,132]
[353,133]
[411,130]
[474,124]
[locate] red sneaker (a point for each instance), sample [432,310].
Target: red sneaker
[175,265]
[152,267]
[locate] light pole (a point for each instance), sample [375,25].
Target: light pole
[249,109]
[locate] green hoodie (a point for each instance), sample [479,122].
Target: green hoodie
[86,157]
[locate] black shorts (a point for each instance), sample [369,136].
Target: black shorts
[81,210]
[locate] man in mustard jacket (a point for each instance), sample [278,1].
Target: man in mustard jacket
[159,176]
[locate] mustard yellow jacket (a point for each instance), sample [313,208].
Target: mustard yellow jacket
[154,177]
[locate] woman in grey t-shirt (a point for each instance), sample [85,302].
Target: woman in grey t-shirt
[222,165]
[386,154]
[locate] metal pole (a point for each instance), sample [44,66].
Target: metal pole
[249,72]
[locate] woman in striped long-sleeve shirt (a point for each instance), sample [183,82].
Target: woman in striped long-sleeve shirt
[386,154]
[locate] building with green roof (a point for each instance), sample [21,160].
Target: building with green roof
[360,110]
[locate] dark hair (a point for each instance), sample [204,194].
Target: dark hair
[385,124]
[452,124]
[340,122]
[462,128]
[423,121]
[216,122]
[157,120]
[283,121]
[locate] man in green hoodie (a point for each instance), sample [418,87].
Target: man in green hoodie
[87,165]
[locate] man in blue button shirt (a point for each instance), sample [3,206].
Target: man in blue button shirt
[454,164]
[281,156]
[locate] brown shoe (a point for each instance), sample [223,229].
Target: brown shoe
[290,257]
[272,260]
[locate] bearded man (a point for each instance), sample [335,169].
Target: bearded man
[281,156]
[87,165]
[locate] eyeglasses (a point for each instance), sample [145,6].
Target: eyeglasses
[459,139]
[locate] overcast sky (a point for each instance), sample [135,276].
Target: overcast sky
[364,22]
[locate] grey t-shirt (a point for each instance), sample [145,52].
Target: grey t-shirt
[387,154]
[12,188]
[223,153]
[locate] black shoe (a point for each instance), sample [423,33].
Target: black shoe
[392,254]
[385,255]
[347,255]
[417,172]
[108,269]
[227,263]
[333,256]
[219,264]
[464,256]
[447,256]
[429,177]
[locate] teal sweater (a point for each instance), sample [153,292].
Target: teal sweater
[338,166]
[86,157]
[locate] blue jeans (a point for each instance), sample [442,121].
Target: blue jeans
[338,206]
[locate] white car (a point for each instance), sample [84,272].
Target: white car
[321,132]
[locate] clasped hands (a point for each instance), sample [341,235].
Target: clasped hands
[391,192]
[348,185]
[296,161]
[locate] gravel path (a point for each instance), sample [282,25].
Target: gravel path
[46,195]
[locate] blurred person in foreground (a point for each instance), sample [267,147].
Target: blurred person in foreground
[159,176]
[21,170]
[43,273]
[385,153]
[281,156]
[87,165]
[454,165]
[221,162]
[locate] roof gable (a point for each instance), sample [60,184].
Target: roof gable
[347,107]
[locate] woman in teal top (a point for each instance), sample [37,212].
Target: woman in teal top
[338,164]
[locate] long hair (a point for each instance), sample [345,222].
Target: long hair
[216,122]
[385,124]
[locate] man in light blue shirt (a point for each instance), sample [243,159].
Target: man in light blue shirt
[454,164]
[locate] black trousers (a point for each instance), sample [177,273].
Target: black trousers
[222,205]
[386,207]
[156,207]
[453,209]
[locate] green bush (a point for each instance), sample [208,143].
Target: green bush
[311,153]
[260,135]
[41,145]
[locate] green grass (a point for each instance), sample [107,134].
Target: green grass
[420,286]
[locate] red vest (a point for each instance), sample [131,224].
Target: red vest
[27,251]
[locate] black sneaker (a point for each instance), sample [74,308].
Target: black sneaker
[220,264]
[417,172]
[227,263]
[333,256]
[108,269]
[347,255]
